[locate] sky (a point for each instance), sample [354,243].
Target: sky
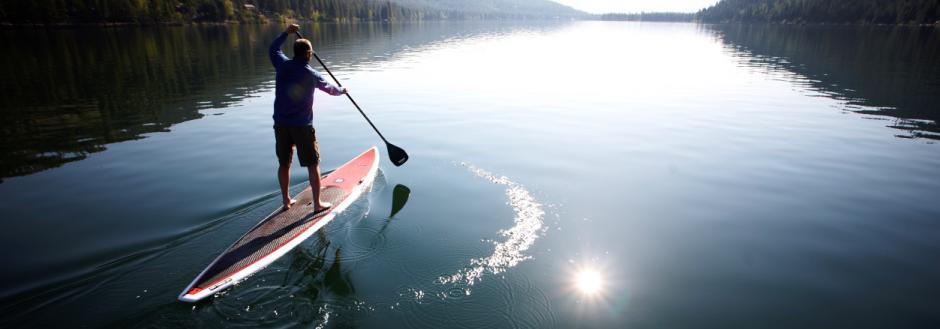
[636,6]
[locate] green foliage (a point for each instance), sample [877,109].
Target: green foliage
[824,11]
[182,11]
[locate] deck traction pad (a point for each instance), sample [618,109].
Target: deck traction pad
[274,231]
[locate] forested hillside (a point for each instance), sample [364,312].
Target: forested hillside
[824,11]
[45,12]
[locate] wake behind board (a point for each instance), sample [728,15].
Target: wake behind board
[281,231]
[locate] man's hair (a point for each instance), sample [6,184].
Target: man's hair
[301,47]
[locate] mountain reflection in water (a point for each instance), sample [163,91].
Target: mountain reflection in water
[877,70]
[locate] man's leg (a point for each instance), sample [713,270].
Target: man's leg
[284,147]
[283,178]
[314,171]
[309,154]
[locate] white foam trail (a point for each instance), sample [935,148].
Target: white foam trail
[508,253]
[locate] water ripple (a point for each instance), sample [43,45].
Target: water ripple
[509,253]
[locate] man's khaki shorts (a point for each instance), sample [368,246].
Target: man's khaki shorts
[305,138]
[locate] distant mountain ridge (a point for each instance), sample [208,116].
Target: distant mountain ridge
[824,11]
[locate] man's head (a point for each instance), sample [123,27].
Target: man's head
[303,49]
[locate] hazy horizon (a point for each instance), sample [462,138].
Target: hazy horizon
[637,6]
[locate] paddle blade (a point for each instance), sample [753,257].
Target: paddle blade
[396,154]
[399,198]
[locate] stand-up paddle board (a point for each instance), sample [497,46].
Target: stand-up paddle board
[281,231]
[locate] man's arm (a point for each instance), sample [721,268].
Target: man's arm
[274,52]
[277,56]
[326,86]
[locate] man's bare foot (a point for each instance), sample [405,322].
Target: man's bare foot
[288,203]
[323,206]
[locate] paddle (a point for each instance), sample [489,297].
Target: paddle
[396,154]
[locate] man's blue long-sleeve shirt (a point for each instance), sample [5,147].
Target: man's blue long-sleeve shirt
[294,84]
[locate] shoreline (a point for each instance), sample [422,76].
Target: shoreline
[7,25]
[262,20]
[937,25]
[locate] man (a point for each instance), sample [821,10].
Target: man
[295,83]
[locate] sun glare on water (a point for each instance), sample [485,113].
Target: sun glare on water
[593,288]
[589,282]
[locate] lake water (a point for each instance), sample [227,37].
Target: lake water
[562,175]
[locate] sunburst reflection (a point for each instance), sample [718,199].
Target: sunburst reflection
[589,282]
[597,289]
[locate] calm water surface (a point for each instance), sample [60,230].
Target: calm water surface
[582,174]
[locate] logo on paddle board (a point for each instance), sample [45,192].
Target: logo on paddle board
[339,180]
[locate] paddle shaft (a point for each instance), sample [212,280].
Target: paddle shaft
[347,93]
